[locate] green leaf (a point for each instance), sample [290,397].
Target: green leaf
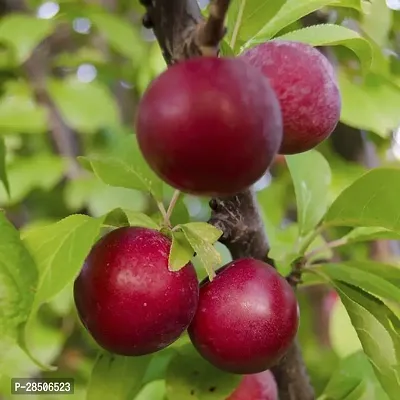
[206,252]
[189,376]
[226,50]
[115,172]
[116,217]
[371,200]
[181,252]
[24,40]
[42,171]
[116,377]
[377,21]
[389,272]
[311,178]
[291,11]
[155,390]
[18,277]
[120,34]
[18,100]
[247,17]
[369,103]
[86,107]
[49,342]
[365,234]
[352,372]
[59,250]
[378,330]
[3,171]
[369,282]
[126,169]
[334,35]
[139,219]
[206,231]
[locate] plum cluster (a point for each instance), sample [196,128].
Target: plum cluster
[212,126]
[243,321]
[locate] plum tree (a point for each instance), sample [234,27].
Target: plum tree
[246,319]
[306,86]
[209,126]
[260,386]
[126,296]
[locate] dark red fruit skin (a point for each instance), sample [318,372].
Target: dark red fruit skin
[128,299]
[246,319]
[209,126]
[306,86]
[260,386]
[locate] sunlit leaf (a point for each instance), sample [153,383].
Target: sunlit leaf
[116,377]
[378,330]
[24,41]
[17,101]
[42,171]
[371,201]
[206,252]
[18,277]
[181,252]
[333,35]
[190,376]
[369,103]
[311,178]
[59,251]
[291,11]
[352,373]
[120,34]
[369,282]
[126,169]
[3,171]
[86,107]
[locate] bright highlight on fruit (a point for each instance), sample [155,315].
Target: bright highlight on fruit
[128,299]
[306,86]
[246,319]
[210,126]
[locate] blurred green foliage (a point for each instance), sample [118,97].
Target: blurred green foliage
[87,63]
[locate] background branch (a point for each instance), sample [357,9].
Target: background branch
[64,140]
[176,26]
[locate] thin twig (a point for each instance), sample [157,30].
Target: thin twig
[171,206]
[212,31]
[331,245]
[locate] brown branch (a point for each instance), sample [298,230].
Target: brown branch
[212,31]
[177,24]
[64,140]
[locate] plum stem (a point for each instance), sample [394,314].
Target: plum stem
[331,245]
[171,207]
[161,207]
[212,31]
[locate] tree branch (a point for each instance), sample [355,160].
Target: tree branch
[213,30]
[64,140]
[180,30]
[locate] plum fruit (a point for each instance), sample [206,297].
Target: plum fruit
[209,126]
[126,296]
[260,386]
[246,319]
[306,86]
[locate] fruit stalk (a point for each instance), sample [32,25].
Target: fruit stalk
[213,30]
[177,26]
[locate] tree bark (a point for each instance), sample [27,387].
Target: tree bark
[175,25]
